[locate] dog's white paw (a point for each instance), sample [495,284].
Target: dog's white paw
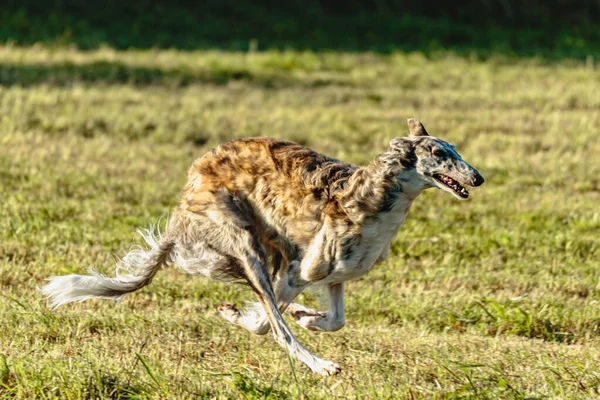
[310,322]
[316,321]
[228,311]
[329,369]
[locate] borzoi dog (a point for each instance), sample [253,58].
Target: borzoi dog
[280,218]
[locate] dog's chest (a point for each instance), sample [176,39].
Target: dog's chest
[370,247]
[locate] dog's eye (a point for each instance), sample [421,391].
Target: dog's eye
[437,152]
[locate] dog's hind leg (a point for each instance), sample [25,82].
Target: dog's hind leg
[331,320]
[253,317]
[252,258]
[261,284]
[230,229]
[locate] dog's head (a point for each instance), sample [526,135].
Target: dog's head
[435,162]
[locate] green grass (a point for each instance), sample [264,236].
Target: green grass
[496,297]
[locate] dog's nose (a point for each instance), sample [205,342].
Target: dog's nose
[478,181]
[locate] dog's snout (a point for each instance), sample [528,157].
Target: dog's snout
[478,180]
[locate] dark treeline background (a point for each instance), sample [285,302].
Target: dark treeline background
[550,29]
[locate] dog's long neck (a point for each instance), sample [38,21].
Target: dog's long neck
[386,184]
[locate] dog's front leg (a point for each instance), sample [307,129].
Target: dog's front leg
[319,258]
[331,320]
[251,255]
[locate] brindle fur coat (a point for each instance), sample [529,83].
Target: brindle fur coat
[281,217]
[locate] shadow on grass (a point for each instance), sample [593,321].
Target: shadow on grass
[65,74]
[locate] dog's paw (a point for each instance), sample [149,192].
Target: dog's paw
[307,313]
[310,322]
[228,311]
[307,318]
[330,368]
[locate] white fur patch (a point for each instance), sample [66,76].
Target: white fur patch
[199,259]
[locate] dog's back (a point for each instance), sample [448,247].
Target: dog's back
[286,186]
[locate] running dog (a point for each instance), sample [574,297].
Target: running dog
[280,218]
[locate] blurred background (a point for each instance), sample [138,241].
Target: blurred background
[553,28]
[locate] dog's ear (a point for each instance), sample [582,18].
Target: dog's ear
[401,145]
[416,128]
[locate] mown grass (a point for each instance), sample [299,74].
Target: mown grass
[496,297]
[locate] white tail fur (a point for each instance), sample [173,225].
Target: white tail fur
[141,267]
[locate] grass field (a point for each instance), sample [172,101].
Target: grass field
[495,297]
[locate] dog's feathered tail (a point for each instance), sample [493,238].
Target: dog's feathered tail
[140,266]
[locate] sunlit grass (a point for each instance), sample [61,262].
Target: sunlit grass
[493,297]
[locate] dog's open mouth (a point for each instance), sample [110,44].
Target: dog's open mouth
[452,184]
